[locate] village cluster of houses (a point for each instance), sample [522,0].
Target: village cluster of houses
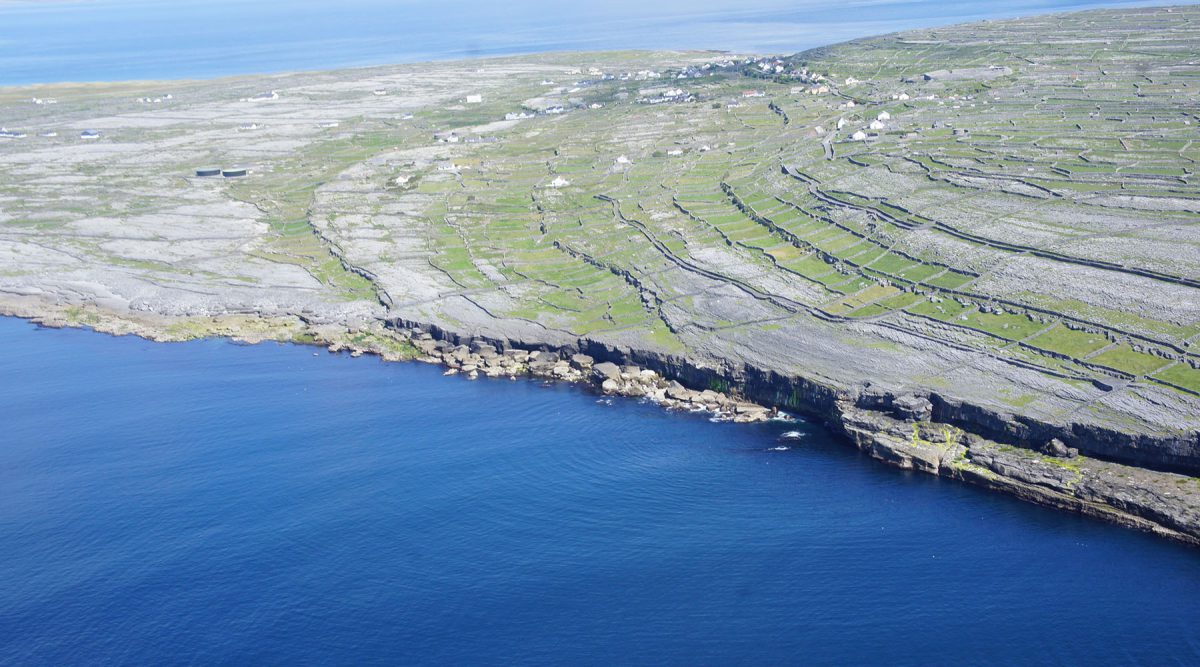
[664,96]
[880,123]
[262,97]
[6,133]
[552,110]
[782,69]
[821,89]
[452,137]
[155,100]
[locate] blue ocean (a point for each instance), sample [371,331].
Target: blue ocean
[216,503]
[45,41]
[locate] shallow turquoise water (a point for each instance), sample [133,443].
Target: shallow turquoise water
[212,502]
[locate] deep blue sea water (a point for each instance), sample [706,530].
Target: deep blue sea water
[105,40]
[208,502]
[216,503]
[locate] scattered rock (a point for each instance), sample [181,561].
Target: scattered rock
[607,371]
[912,408]
[1056,447]
[678,392]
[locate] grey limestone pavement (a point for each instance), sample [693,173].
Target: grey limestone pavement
[987,231]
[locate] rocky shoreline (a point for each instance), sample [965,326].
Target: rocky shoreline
[896,428]
[483,359]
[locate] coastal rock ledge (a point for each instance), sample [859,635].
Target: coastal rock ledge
[900,429]
[481,358]
[909,431]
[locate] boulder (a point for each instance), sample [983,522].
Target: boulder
[679,392]
[582,361]
[609,386]
[426,346]
[516,355]
[1057,448]
[607,370]
[485,350]
[913,408]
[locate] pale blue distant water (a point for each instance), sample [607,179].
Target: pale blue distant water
[213,503]
[104,40]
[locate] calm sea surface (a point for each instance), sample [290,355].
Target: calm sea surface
[104,40]
[210,502]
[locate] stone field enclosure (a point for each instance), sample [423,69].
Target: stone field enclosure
[1001,214]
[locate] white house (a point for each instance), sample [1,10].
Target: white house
[559,182]
[883,115]
[859,136]
[475,99]
[841,123]
[622,160]
[875,125]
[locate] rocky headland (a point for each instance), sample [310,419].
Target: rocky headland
[988,273]
[898,430]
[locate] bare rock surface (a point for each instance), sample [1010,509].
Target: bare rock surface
[1007,248]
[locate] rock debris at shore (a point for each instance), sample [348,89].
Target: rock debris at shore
[483,359]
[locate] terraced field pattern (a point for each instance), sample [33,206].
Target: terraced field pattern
[1004,212]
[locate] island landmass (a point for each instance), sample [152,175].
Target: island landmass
[971,251]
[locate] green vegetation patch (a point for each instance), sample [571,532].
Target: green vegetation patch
[1125,358]
[1071,342]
